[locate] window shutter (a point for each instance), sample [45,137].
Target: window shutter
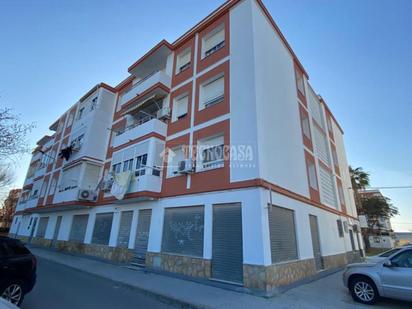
[181,106]
[283,243]
[124,229]
[70,177]
[41,230]
[213,90]
[78,229]
[327,184]
[214,39]
[183,231]
[321,145]
[102,228]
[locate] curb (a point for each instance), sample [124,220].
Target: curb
[158,296]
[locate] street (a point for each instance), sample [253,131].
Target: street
[59,286]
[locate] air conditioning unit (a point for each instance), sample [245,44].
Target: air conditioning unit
[87,195]
[185,167]
[107,183]
[163,113]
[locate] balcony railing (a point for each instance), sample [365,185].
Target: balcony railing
[144,84]
[139,129]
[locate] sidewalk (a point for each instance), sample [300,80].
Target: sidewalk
[327,292]
[175,291]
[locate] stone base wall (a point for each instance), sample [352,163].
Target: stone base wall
[24,239]
[41,241]
[334,261]
[267,278]
[121,255]
[354,257]
[185,265]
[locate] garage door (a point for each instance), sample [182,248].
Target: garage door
[227,248]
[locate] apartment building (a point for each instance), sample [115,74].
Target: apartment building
[214,158]
[377,233]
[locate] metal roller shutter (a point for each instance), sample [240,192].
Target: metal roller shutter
[282,234]
[41,230]
[78,229]
[124,229]
[183,231]
[142,235]
[227,247]
[102,228]
[56,230]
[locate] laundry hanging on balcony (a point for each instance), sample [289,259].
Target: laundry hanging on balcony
[65,153]
[120,184]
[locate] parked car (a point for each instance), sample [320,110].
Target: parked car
[382,256]
[17,270]
[4,304]
[391,277]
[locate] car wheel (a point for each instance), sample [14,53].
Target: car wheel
[13,292]
[363,290]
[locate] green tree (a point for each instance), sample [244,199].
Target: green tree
[375,208]
[360,181]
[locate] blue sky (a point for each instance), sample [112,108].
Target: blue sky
[358,55]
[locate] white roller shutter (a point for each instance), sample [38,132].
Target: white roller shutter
[321,146]
[327,187]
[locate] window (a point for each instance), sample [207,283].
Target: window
[211,153]
[183,60]
[141,162]
[341,195]
[390,252]
[214,41]
[329,123]
[304,118]
[183,231]
[41,229]
[180,107]
[116,168]
[175,155]
[70,120]
[53,186]
[69,178]
[77,142]
[102,228]
[313,180]
[94,104]
[321,145]
[35,193]
[78,229]
[128,165]
[335,157]
[403,259]
[212,92]
[300,82]
[283,244]
[340,227]
[352,240]
[80,113]
[60,126]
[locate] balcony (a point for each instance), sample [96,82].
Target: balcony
[158,77]
[141,128]
[66,195]
[146,182]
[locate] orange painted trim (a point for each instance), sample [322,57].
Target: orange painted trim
[183,123]
[219,54]
[335,164]
[150,52]
[107,87]
[124,83]
[218,109]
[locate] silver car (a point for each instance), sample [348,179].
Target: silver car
[391,277]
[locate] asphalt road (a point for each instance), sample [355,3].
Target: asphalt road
[59,286]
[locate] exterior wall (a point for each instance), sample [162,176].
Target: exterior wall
[277,109]
[260,110]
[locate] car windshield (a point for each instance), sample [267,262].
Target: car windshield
[389,253]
